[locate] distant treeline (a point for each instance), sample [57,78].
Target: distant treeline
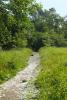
[23,23]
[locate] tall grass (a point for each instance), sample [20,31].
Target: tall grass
[52,79]
[12,61]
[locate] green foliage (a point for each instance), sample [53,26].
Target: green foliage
[35,41]
[12,61]
[51,27]
[52,80]
[23,23]
[15,24]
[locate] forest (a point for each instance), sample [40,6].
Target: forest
[27,29]
[26,24]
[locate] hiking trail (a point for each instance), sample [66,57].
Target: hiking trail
[21,87]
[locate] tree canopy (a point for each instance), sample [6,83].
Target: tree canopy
[23,23]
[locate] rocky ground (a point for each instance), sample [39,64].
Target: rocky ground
[21,87]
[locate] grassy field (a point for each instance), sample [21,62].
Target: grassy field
[12,61]
[52,79]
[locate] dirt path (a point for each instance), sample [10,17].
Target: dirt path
[21,87]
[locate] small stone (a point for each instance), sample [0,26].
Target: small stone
[23,81]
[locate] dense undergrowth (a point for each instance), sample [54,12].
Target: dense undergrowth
[52,80]
[12,61]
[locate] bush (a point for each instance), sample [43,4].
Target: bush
[10,65]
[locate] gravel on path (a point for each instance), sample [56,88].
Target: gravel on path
[21,87]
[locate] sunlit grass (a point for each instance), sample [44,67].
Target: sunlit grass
[13,61]
[52,79]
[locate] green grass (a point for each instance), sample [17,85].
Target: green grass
[12,61]
[52,79]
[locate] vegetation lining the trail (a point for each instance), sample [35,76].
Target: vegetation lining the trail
[13,61]
[52,80]
[23,23]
